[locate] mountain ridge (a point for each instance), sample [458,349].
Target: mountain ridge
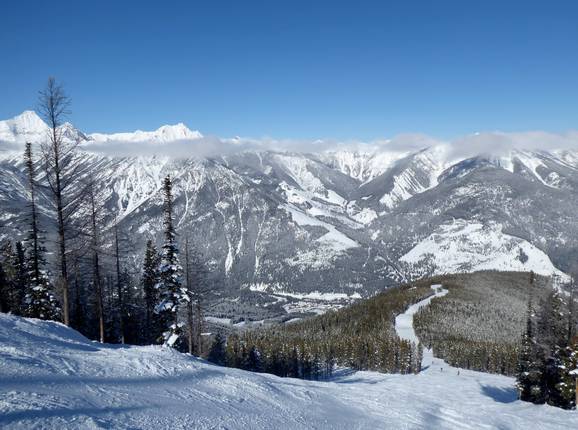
[275,226]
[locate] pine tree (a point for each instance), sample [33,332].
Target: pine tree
[172,293]
[218,353]
[9,270]
[19,279]
[526,357]
[39,300]
[149,280]
[559,383]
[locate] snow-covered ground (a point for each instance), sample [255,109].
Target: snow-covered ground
[52,377]
[404,326]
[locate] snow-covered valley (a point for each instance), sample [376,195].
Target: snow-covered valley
[52,377]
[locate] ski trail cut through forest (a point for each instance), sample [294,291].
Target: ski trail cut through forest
[404,324]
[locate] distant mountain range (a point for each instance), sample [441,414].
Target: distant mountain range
[294,231]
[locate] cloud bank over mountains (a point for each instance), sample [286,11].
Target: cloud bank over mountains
[179,141]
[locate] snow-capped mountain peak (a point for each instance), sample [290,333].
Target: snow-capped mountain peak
[163,134]
[27,126]
[28,120]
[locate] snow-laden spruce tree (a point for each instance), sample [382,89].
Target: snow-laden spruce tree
[13,290]
[171,292]
[562,392]
[529,378]
[39,300]
[149,280]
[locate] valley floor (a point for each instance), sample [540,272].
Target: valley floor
[52,377]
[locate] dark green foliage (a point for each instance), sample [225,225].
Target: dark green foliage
[563,391]
[171,292]
[529,373]
[16,276]
[478,324]
[39,300]
[361,337]
[149,279]
[217,353]
[549,353]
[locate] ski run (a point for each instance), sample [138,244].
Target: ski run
[52,377]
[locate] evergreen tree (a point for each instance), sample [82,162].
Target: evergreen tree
[9,270]
[39,300]
[18,278]
[218,353]
[559,383]
[524,376]
[172,293]
[149,280]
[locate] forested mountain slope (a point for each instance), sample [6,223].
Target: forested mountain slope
[480,323]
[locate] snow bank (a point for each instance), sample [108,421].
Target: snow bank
[52,377]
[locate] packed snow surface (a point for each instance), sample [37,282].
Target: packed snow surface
[52,377]
[404,322]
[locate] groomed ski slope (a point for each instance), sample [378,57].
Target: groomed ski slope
[52,377]
[404,326]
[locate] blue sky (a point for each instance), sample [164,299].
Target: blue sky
[298,69]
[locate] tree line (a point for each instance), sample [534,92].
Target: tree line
[361,337]
[87,284]
[549,352]
[478,324]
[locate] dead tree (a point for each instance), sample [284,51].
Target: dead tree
[95,250]
[195,277]
[119,289]
[190,309]
[58,152]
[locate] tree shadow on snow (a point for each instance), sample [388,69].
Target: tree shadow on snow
[13,417]
[55,380]
[500,394]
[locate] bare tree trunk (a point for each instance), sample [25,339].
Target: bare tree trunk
[53,106]
[190,319]
[199,328]
[96,266]
[77,305]
[119,285]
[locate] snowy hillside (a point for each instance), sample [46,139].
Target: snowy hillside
[52,377]
[461,247]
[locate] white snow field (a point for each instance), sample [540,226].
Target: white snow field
[52,377]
